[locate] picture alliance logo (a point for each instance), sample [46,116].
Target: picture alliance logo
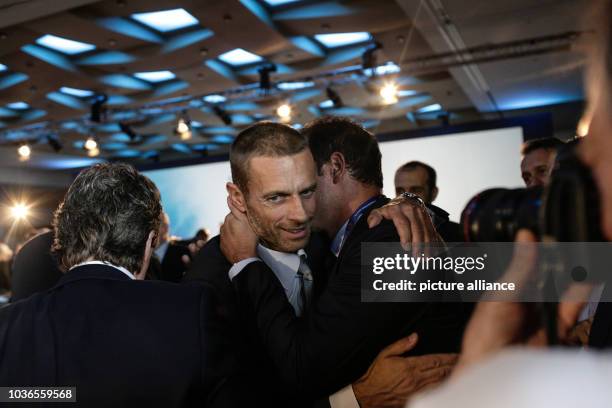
[408,263]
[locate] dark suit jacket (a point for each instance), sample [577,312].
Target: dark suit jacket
[122,343]
[601,329]
[210,267]
[338,340]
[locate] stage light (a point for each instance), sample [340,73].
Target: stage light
[54,142]
[388,93]
[183,130]
[284,112]
[24,152]
[334,98]
[264,77]
[19,211]
[90,144]
[98,110]
[93,152]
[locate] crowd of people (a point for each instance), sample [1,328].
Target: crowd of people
[269,312]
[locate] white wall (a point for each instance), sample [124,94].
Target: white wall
[466,163]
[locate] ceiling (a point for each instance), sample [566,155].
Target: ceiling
[520,54]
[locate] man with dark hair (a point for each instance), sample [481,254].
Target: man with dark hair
[538,160]
[120,342]
[418,178]
[334,342]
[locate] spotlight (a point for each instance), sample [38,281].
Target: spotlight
[183,130]
[222,114]
[54,143]
[91,144]
[284,112]
[388,93]
[334,97]
[24,152]
[93,152]
[264,77]
[19,211]
[97,108]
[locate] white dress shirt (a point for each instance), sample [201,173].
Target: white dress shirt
[120,268]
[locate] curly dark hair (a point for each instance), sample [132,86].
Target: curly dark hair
[107,215]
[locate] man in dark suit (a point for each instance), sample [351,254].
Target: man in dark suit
[120,341]
[334,342]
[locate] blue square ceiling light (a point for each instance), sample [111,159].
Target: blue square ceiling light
[430,108]
[239,56]
[341,39]
[79,93]
[18,106]
[64,45]
[3,67]
[274,3]
[215,98]
[167,20]
[155,76]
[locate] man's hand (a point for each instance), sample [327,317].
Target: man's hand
[496,325]
[411,219]
[238,241]
[392,378]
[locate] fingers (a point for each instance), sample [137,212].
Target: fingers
[374,218]
[436,361]
[524,259]
[401,346]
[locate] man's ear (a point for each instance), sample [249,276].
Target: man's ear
[236,196]
[146,260]
[434,194]
[337,166]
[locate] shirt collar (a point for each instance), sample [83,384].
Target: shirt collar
[340,238]
[284,264]
[122,269]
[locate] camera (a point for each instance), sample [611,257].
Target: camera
[567,210]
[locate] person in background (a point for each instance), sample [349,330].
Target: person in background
[35,269]
[419,178]
[6,258]
[538,160]
[167,262]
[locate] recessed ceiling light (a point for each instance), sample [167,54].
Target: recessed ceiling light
[388,68]
[430,108]
[79,93]
[326,104]
[155,76]
[292,86]
[275,3]
[342,39]
[18,105]
[64,45]
[214,98]
[3,67]
[239,56]
[407,92]
[167,20]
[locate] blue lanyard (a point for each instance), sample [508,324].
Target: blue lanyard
[338,242]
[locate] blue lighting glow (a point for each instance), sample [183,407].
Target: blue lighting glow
[292,86]
[342,39]
[155,76]
[402,93]
[430,108]
[388,68]
[18,106]
[68,162]
[274,3]
[239,57]
[79,93]
[64,45]
[214,98]
[167,20]
[222,139]
[326,104]
[3,67]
